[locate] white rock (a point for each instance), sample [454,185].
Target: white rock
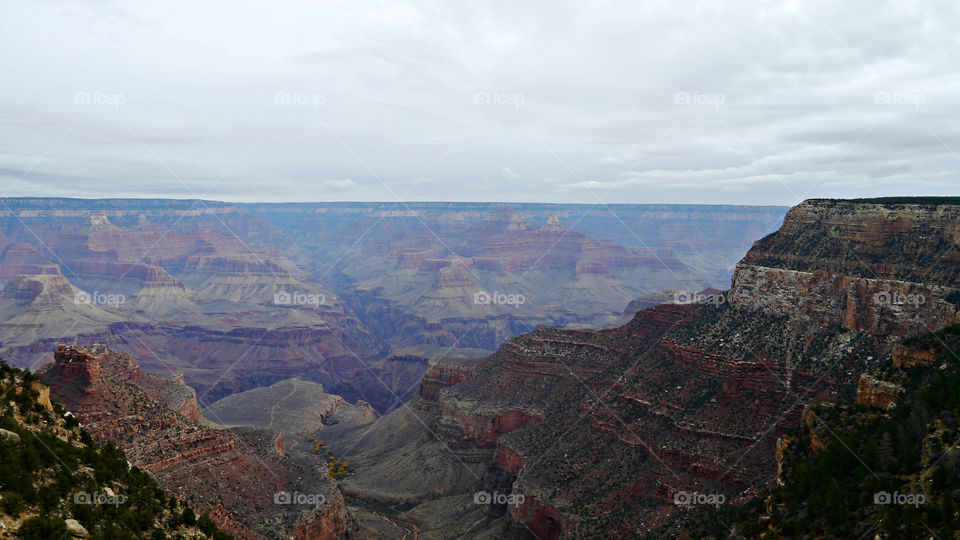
[76,529]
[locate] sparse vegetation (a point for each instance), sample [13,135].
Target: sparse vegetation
[336,467]
[53,471]
[842,471]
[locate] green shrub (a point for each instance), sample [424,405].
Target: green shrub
[12,503]
[189,518]
[43,528]
[206,525]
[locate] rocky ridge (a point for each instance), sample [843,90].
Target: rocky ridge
[58,482]
[233,475]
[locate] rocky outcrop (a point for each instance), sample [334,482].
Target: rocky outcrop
[902,241]
[443,374]
[292,406]
[906,356]
[872,392]
[173,392]
[43,395]
[918,432]
[234,476]
[333,521]
[883,268]
[665,296]
[39,446]
[22,258]
[879,306]
[469,424]
[151,276]
[79,365]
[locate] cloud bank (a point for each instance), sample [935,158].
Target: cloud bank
[742,102]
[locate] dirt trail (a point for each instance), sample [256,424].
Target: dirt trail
[273,410]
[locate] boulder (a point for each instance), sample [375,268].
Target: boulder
[76,529]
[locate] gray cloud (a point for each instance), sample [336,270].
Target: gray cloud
[710,102]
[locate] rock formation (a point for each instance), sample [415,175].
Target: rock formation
[599,432]
[293,406]
[235,476]
[236,297]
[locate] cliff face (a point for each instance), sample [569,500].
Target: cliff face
[39,441]
[233,475]
[882,269]
[872,392]
[600,431]
[907,242]
[884,467]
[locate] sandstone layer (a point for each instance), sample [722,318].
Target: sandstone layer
[235,476]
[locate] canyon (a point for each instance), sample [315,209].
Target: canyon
[400,374]
[598,432]
[357,297]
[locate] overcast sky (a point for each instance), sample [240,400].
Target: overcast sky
[739,102]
